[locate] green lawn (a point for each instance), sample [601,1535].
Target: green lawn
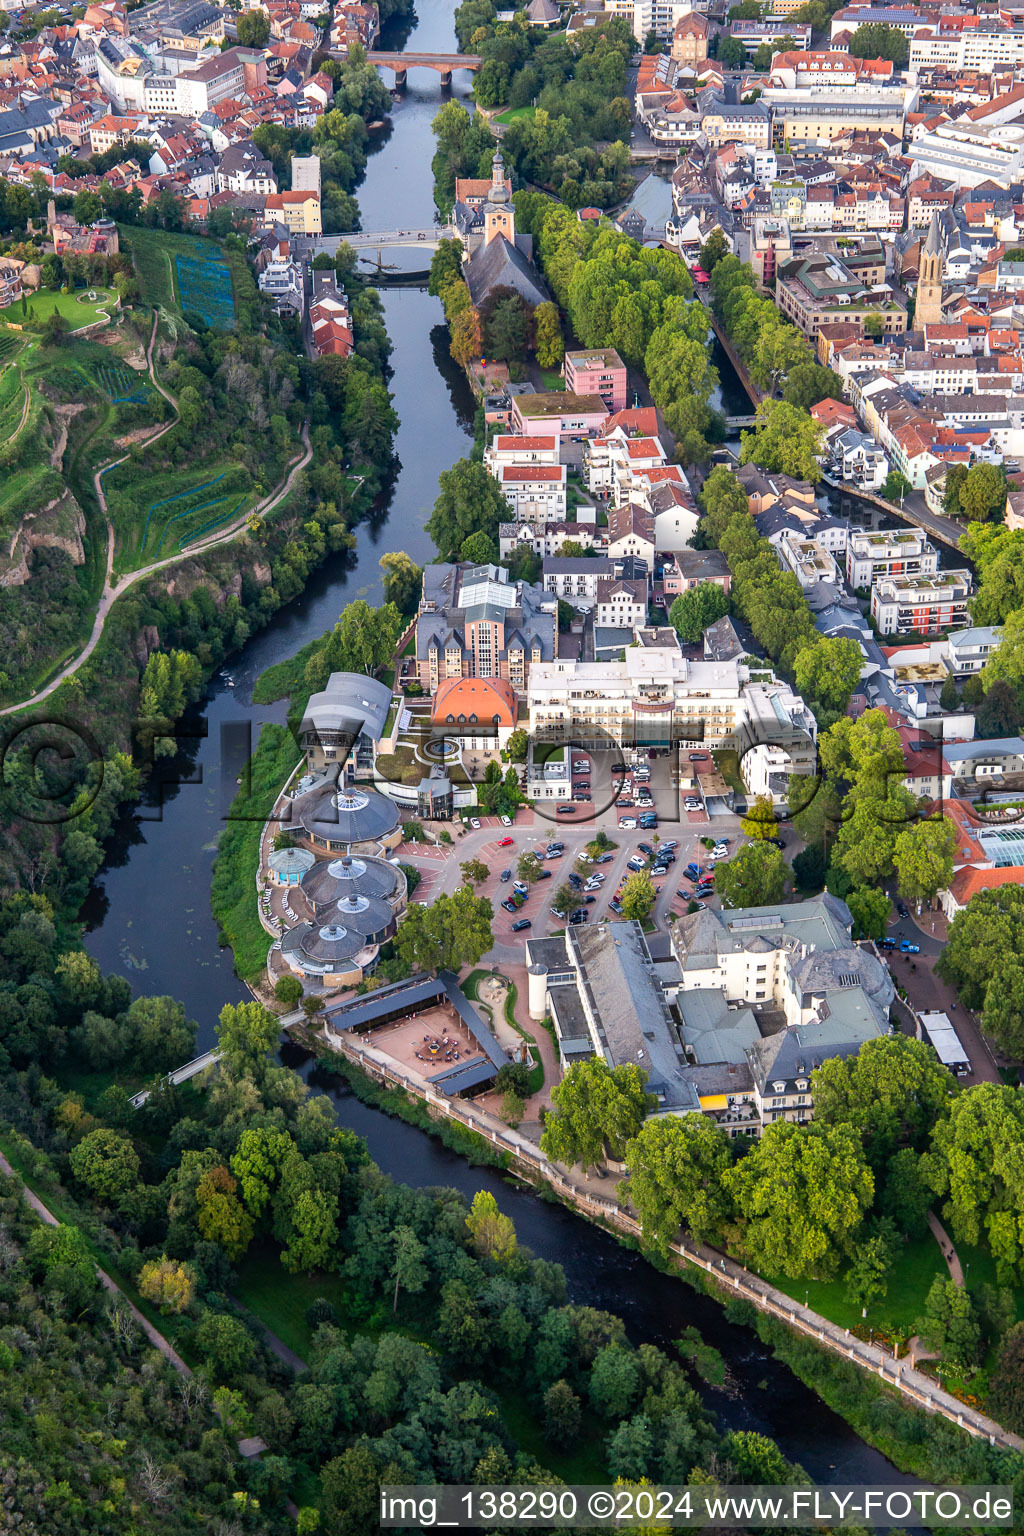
[76,308]
[280,1300]
[511,113]
[552,380]
[909,1283]
[584,1464]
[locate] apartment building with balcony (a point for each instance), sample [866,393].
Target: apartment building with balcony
[871,555]
[536,493]
[921,605]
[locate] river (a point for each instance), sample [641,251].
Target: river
[148,914]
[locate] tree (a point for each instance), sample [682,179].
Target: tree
[760,821]
[893,1092]
[785,440]
[1006,1384]
[259,1162]
[906,1198]
[731,53]
[225,1343]
[923,856]
[107,1164]
[221,1216]
[826,672]
[288,990]
[949,698]
[867,1276]
[310,1230]
[564,901]
[714,248]
[168,1284]
[246,1034]
[518,745]
[756,877]
[479,549]
[692,611]
[869,908]
[474,871]
[408,1269]
[528,867]
[802,1193]
[976,1155]
[999,713]
[877,41]
[466,341]
[562,1414]
[638,896]
[253,29]
[506,321]
[809,383]
[445,267]
[983,493]
[614,1381]
[470,501]
[403,580]
[63,1257]
[493,1234]
[676,1168]
[597,1111]
[896,486]
[452,932]
[950,1325]
[512,1108]
[548,343]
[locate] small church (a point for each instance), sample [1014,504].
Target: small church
[498,257]
[928,304]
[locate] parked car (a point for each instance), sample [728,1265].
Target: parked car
[506,821]
[579,916]
[901,908]
[615,906]
[636,865]
[576,881]
[618,768]
[474,823]
[887,943]
[906,948]
[776,842]
[627,822]
[589,900]
[545,874]
[506,876]
[565,810]
[509,905]
[646,848]
[524,922]
[506,842]
[670,842]
[559,853]
[605,858]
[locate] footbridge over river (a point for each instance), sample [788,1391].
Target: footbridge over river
[377,240]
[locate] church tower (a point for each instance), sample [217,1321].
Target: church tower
[499,215]
[928,308]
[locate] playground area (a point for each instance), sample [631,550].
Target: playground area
[427,1042]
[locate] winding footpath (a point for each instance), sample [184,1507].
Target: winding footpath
[152,1334]
[112,589]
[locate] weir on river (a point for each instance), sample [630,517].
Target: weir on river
[149,916]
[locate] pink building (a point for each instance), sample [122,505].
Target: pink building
[569,415]
[597,373]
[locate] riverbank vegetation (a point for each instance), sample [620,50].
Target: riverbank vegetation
[412,1299]
[240,400]
[840,1205]
[575,139]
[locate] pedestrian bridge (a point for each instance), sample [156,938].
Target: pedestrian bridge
[180,1075]
[734,423]
[387,239]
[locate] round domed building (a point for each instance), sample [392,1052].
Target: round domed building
[341,947]
[333,880]
[350,821]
